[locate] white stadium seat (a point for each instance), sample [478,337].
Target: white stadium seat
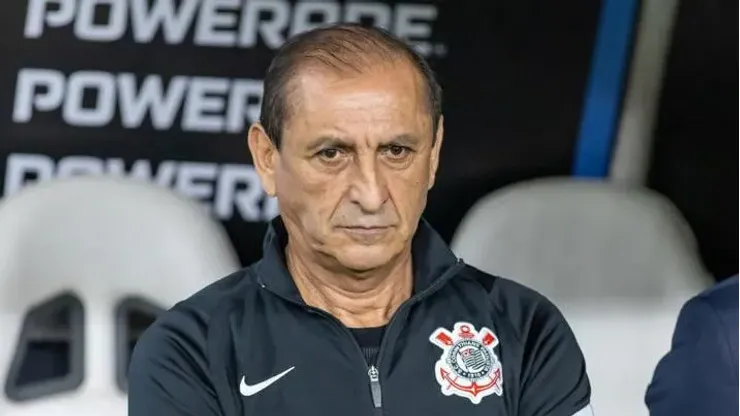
[618,262]
[95,243]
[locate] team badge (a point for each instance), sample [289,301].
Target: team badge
[468,367]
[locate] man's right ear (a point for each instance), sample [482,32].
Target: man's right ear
[264,156]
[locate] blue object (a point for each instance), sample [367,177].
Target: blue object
[603,99]
[699,376]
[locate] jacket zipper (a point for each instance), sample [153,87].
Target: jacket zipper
[373,372]
[375,391]
[375,387]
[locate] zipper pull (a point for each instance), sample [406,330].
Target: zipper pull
[374,375]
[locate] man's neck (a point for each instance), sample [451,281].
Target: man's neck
[357,301]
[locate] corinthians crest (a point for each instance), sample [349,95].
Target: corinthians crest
[468,366]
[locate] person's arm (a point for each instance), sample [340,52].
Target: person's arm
[554,379]
[696,377]
[168,371]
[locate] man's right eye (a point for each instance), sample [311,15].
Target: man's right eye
[328,154]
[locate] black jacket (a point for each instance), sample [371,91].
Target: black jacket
[466,343]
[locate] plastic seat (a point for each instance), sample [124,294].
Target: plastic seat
[92,247]
[617,261]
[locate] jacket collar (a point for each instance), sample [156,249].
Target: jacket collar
[431,257]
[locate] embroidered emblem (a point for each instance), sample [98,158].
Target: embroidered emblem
[468,366]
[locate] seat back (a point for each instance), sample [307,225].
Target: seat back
[619,262]
[92,247]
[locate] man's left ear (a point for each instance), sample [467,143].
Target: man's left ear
[434,159]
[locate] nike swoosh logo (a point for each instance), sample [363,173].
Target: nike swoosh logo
[247,390]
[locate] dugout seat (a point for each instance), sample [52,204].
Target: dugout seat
[619,262]
[85,263]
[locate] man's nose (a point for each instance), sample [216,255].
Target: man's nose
[368,188]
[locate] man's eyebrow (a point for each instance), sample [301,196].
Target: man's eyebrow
[320,142]
[328,141]
[403,139]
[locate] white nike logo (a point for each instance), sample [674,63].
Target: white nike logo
[247,390]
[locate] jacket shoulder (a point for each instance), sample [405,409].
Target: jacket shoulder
[552,370]
[169,371]
[188,321]
[507,296]
[723,296]
[712,314]
[527,313]
[715,309]
[698,376]
[206,301]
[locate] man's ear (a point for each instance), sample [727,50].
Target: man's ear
[434,157]
[264,156]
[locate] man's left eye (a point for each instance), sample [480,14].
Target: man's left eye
[397,151]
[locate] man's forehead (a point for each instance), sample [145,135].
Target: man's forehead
[391,94]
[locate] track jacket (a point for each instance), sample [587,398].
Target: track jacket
[699,375]
[466,343]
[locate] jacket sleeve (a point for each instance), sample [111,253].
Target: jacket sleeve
[168,371]
[554,379]
[697,376]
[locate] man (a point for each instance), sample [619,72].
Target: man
[357,306]
[699,376]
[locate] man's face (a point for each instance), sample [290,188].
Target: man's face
[357,158]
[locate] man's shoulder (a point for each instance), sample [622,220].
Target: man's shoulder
[698,374]
[723,296]
[508,294]
[189,320]
[712,314]
[550,364]
[228,290]
[718,305]
[524,308]
[173,355]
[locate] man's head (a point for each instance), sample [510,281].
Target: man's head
[349,142]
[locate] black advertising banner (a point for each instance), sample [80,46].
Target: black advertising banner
[694,159]
[163,90]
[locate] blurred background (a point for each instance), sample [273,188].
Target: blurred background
[590,153]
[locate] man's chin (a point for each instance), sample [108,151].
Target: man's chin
[367,236]
[365,258]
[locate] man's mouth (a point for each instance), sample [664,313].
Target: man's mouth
[365,230]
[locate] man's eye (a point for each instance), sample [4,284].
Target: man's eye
[396,151]
[328,154]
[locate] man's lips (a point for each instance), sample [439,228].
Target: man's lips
[365,229]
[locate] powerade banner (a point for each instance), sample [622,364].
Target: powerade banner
[164,90]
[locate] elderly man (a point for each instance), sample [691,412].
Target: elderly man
[357,307]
